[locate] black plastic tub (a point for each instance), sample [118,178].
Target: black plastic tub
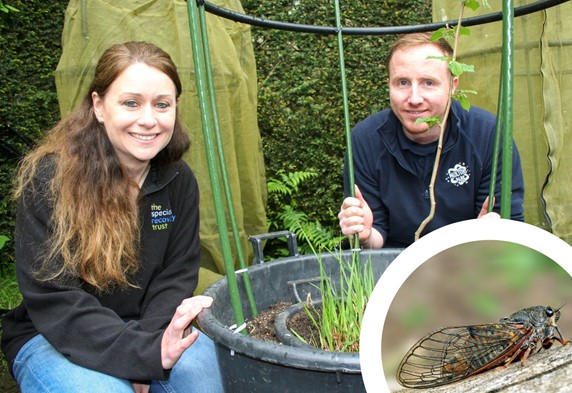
[250,365]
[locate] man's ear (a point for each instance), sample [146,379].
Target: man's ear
[455,83]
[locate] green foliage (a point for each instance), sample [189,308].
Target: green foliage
[288,182]
[517,269]
[7,8]
[342,307]
[458,69]
[461,96]
[431,121]
[415,316]
[30,47]
[448,33]
[10,295]
[486,304]
[311,234]
[519,266]
[300,109]
[3,240]
[284,215]
[474,4]
[300,104]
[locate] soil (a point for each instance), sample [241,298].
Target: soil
[262,326]
[301,325]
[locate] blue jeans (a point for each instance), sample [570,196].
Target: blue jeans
[39,368]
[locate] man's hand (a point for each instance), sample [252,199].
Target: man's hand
[356,217]
[484,213]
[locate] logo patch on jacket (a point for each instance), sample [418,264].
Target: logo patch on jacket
[161,217]
[459,174]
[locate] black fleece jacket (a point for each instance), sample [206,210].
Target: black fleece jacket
[117,333]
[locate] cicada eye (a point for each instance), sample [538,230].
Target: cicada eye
[549,311]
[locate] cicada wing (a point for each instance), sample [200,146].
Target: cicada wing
[451,354]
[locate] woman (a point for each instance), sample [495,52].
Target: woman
[107,247]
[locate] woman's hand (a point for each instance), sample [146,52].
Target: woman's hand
[140,388]
[179,336]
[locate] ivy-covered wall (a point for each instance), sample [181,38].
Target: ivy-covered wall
[300,102]
[300,105]
[29,52]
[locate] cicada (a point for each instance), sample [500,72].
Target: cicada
[453,353]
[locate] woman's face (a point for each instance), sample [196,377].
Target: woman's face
[138,112]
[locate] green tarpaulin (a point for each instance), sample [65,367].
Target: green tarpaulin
[542,100]
[543,87]
[92,26]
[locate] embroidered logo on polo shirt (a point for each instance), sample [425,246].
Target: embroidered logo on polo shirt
[459,174]
[161,217]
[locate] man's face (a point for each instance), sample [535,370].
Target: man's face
[418,88]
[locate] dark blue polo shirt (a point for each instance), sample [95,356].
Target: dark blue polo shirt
[394,173]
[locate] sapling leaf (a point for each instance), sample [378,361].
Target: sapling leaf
[465,103]
[461,96]
[444,32]
[444,58]
[431,121]
[463,30]
[437,34]
[458,69]
[472,4]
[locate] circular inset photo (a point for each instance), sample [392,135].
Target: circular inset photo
[464,299]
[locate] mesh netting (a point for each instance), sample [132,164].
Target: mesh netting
[542,101]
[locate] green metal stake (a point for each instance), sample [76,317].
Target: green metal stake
[212,165]
[347,127]
[222,161]
[496,148]
[507,114]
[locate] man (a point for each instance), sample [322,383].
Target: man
[393,155]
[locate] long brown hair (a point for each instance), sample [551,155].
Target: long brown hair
[95,222]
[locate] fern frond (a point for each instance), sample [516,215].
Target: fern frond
[294,179]
[312,236]
[277,187]
[289,182]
